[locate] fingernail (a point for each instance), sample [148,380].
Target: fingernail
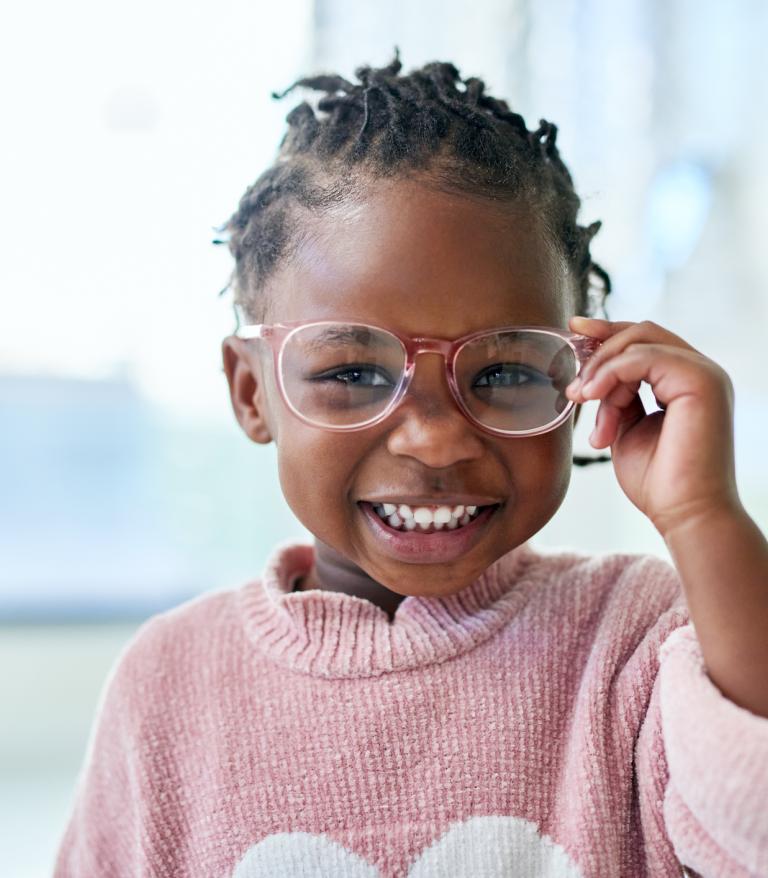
[588,387]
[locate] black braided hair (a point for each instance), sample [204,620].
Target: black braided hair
[430,124]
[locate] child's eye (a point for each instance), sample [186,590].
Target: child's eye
[356,375]
[511,375]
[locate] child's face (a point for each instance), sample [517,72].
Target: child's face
[427,264]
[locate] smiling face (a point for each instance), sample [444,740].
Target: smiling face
[422,263]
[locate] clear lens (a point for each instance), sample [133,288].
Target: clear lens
[516,380]
[343,375]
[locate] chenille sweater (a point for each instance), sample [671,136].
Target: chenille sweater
[553,718]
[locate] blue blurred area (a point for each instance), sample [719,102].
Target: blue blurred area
[110,508]
[79,522]
[679,201]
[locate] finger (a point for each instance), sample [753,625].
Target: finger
[613,420]
[610,387]
[670,371]
[597,327]
[606,422]
[645,332]
[622,393]
[617,397]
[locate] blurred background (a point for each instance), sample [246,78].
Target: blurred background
[132,130]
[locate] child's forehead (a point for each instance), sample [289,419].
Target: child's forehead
[404,226]
[403,261]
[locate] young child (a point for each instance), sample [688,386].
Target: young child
[421,692]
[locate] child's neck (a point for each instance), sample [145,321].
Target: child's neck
[333,572]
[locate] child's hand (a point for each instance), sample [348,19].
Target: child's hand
[674,463]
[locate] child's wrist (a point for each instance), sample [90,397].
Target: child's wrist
[699,517]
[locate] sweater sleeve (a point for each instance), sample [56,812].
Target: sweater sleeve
[716,803]
[104,833]
[701,763]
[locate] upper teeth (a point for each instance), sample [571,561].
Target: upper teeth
[424,516]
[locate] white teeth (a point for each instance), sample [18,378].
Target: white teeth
[443,514]
[405,517]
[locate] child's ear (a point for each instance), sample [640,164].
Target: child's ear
[246,389]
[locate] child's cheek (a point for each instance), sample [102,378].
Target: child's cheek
[315,470]
[542,472]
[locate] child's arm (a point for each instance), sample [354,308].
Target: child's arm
[706,722]
[677,466]
[722,558]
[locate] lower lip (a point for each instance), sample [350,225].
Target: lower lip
[424,548]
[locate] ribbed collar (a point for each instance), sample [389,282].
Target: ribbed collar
[332,634]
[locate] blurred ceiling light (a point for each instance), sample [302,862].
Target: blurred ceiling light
[679,200]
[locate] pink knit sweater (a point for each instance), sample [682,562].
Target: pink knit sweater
[554,718]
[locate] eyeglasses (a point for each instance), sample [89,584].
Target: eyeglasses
[508,381]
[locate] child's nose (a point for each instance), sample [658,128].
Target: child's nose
[430,387]
[429,423]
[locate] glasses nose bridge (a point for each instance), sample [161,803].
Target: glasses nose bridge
[440,346]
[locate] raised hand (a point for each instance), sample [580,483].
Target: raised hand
[675,463]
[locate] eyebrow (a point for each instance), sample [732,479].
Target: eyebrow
[339,335]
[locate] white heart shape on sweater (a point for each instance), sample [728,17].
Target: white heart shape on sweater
[491,847]
[495,846]
[300,854]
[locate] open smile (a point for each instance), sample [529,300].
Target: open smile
[439,543]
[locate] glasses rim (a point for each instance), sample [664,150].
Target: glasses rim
[278,334]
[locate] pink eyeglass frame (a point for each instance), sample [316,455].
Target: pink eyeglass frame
[276,335]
